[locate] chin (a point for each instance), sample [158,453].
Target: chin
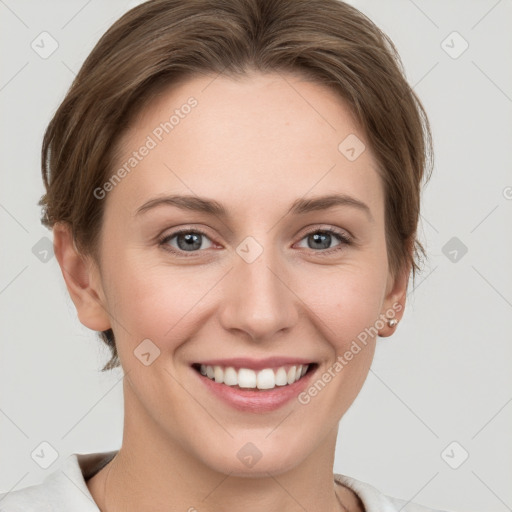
[248,459]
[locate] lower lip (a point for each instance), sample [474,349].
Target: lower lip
[265,400]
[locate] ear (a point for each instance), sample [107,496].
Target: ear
[82,278]
[394,302]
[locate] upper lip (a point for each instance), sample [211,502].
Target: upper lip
[256,364]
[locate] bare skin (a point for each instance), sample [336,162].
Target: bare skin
[255,145]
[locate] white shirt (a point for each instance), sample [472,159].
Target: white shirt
[65,490]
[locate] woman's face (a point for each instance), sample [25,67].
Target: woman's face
[262,279]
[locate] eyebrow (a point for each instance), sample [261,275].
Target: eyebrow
[212,207]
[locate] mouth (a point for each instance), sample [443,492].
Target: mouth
[249,379]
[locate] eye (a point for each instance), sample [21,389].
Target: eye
[187,240]
[191,240]
[319,239]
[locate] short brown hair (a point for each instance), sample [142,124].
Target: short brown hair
[162,41]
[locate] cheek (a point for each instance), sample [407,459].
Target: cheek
[347,301]
[156,301]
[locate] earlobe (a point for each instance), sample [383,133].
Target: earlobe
[82,280]
[394,303]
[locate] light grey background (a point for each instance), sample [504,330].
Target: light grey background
[443,377]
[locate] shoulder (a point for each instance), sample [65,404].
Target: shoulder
[374,501]
[62,490]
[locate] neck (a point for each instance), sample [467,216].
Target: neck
[153,469]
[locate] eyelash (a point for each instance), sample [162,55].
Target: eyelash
[342,237]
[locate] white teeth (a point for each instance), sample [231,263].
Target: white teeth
[266,379]
[230,376]
[291,375]
[247,378]
[218,373]
[281,377]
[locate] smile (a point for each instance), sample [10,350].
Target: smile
[246,378]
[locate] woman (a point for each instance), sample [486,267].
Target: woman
[234,192]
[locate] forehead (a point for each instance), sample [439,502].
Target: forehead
[254,138]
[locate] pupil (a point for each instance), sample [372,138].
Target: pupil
[190,239]
[318,236]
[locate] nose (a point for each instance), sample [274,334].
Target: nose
[258,299]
